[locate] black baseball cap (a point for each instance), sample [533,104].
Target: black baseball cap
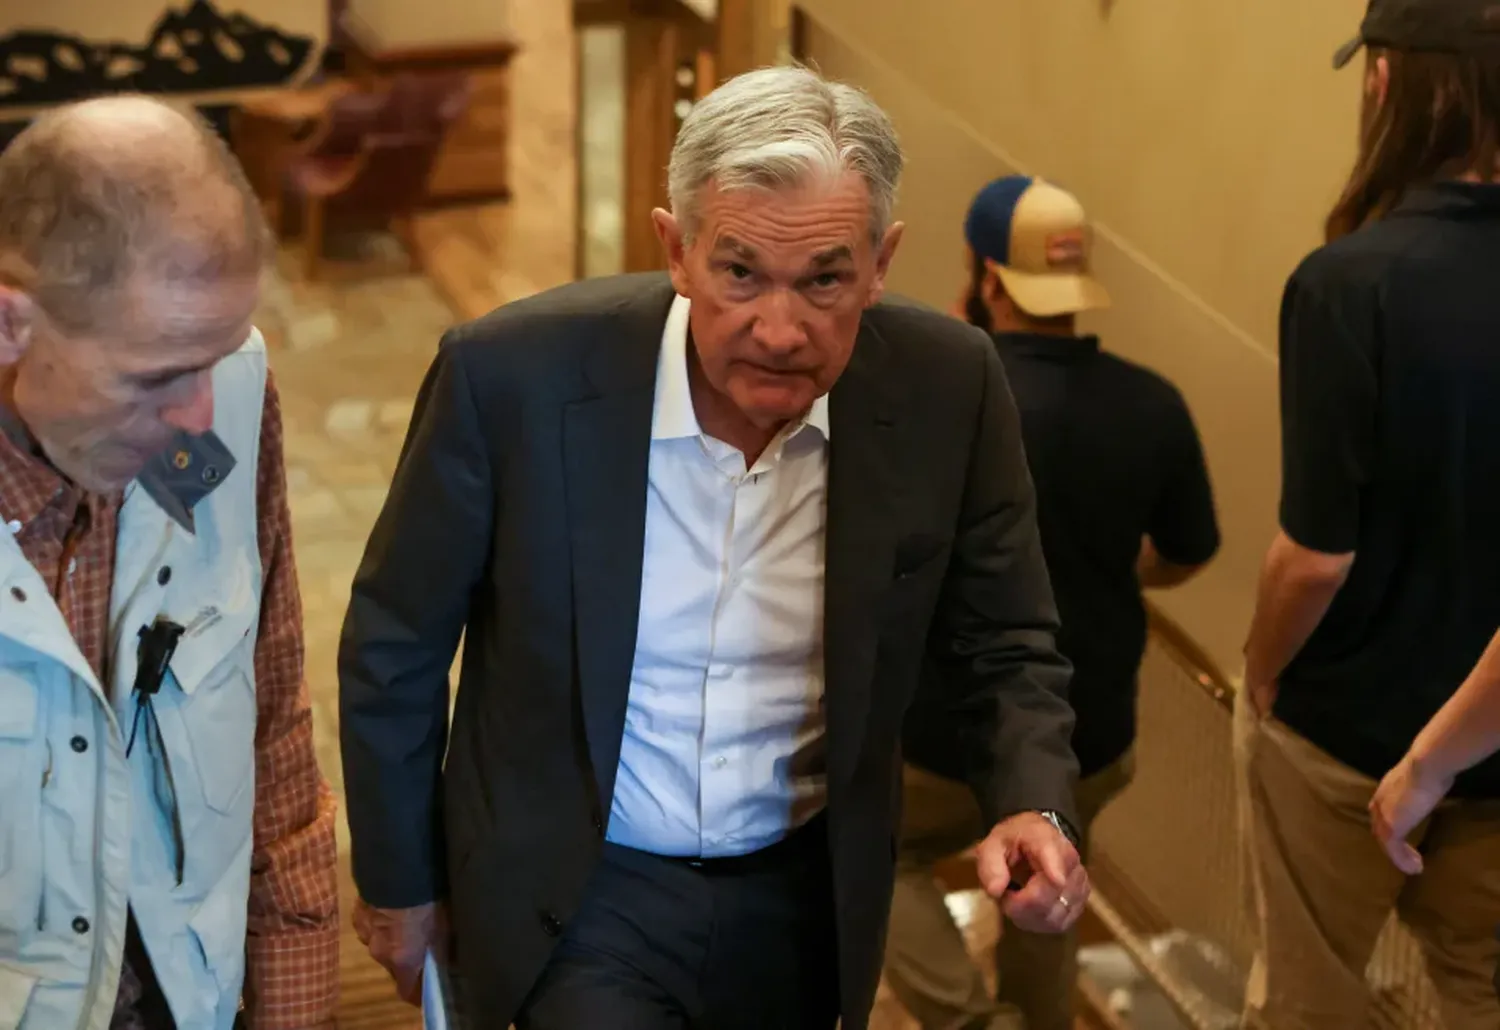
[1434,26]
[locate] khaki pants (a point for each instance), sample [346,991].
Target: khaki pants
[927,963]
[1323,889]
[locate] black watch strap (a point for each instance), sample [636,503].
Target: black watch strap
[1063,826]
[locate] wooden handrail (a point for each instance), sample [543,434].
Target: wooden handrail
[1191,656]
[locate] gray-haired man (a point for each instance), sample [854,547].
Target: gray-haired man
[705,535]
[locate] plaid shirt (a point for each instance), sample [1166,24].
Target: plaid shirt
[291,979]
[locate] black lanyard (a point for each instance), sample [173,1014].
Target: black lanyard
[158,642]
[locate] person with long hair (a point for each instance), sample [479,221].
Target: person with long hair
[1382,588]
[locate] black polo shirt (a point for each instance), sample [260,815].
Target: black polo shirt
[1390,384]
[1115,457]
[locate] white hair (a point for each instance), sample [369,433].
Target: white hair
[776,127]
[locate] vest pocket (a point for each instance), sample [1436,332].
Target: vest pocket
[219,716]
[221,729]
[15,995]
[23,766]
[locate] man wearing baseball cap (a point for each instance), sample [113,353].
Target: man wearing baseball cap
[1381,589]
[1123,501]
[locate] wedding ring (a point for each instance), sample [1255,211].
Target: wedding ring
[1064,902]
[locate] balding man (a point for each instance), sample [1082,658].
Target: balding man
[166,841]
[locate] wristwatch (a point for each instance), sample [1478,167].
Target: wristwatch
[1062,826]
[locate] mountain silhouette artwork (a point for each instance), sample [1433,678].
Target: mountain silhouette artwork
[196,49]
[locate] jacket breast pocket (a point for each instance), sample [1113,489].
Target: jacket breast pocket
[23,765]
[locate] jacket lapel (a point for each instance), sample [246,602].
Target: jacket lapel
[863,412]
[606,453]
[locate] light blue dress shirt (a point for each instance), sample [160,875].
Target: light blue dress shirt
[723,752]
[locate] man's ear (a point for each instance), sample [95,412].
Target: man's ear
[883,257]
[991,288]
[17,316]
[1380,79]
[669,231]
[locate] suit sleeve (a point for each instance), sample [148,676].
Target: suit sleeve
[407,610]
[995,628]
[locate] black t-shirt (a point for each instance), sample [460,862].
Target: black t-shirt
[1115,457]
[1390,396]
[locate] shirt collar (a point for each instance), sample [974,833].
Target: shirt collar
[1453,197]
[673,417]
[28,484]
[177,479]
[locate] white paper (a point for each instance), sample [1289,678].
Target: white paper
[437,1011]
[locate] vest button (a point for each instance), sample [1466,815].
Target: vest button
[79,745]
[18,594]
[551,924]
[80,924]
[164,575]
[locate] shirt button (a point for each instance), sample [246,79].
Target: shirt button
[14,525]
[80,924]
[720,671]
[551,925]
[164,575]
[79,744]
[720,762]
[18,594]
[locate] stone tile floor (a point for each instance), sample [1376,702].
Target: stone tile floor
[347,359]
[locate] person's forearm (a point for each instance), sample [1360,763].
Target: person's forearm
[1466,730]
[1296,587]
[292,924]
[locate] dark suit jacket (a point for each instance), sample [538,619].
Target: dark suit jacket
[517,516]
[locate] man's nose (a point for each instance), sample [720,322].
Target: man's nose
[196,413]
[778,328]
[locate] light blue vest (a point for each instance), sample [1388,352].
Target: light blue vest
[84,832]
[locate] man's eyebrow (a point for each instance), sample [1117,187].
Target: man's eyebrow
[734,246]
[832,256]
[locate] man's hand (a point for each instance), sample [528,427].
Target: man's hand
[1262,697]
[1028,850]
[399,939]
[1406,796]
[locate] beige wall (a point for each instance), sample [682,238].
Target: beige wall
[400,23]
[1206,140]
